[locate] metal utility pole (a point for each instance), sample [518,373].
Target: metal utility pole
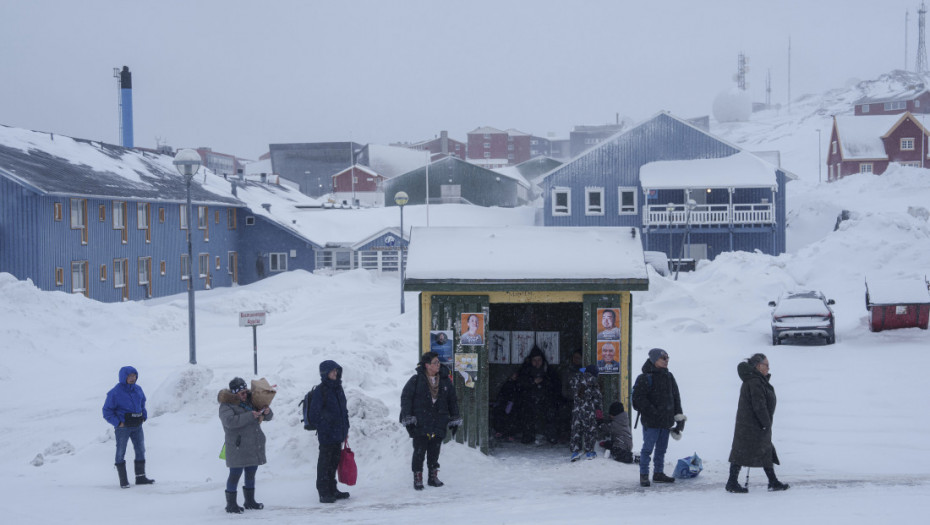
[921,42]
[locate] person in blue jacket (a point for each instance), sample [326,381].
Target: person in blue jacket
[329,414]
[125,410]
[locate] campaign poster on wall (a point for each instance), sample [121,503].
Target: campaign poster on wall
[472,328]
[499,348]
[466,365]
[440,341]
[608,324]
[608,355]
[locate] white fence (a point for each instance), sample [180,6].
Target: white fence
[710,214]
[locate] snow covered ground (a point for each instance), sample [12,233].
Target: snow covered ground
[851,425]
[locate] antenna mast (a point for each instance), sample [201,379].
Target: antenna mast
[921,43]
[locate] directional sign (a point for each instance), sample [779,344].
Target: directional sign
[256,318]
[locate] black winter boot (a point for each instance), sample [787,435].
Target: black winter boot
[774,484]
[123,478]
[433,480]
[140,473]
[231,506]
[418,480]
[733,483]
[644,480]
[250,502]
[336,492]
[660,477]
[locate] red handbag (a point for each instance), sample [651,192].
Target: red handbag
[347,471]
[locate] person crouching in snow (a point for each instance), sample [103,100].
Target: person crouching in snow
[586,412]
[124,408]
[620,443]
[244,441]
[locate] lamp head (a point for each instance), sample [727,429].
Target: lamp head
[187,162]
[401,198]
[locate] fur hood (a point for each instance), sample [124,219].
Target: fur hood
[225,396]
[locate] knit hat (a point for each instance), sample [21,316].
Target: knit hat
[237,385]
[616,408]
[657,353]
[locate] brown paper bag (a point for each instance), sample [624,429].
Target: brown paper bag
[262,393]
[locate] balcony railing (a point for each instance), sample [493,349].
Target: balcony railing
[710,214]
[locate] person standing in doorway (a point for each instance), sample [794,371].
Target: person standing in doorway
[124,408]
[656,397]
[752,436]
[428,406]
[328,413]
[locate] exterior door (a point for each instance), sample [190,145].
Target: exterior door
[445,314]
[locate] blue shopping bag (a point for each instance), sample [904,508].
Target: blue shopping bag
[689,467]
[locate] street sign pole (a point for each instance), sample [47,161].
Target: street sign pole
[255,347]
[253,319]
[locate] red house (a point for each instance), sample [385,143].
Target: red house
[491,147]
[441,146]
[897,304]
[358,186]
[900,91]
[868,144]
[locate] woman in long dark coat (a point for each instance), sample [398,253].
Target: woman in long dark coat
[752,437]
[428,406]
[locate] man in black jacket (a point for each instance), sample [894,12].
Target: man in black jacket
[655,396]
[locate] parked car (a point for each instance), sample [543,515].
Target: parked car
[803,314]
[657,260]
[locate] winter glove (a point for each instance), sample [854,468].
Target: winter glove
[455,422]
[679,426]
[410,423]
[598,415]
[509,407]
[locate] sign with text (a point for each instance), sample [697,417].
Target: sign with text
[256,318]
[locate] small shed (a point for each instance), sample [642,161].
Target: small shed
[524,285]
[902,303]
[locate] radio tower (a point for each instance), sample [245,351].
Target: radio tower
[741,69]
[921,43]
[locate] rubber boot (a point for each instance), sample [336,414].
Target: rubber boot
[140,473]
[418,480]
[123,478]
[231,506]
[433,480]
[733,483]
[250,502]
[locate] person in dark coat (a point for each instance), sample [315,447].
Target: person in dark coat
[428,406]
[656,397]
[244,441]
[541,389]
[506,408]
[328,412]
[124,408]
[752,436]
[621,438]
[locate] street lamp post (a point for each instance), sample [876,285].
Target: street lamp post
[187,162]
[819,156]
[670,208]
[401,198]
[687,235]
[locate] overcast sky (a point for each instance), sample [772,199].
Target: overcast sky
[237,75]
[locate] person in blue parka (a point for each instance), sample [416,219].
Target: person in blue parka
[124,408]
[328,413]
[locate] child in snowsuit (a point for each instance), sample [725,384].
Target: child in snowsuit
[620,441]
[586,411]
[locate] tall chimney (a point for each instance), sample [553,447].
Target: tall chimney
[125,91]
[444,141]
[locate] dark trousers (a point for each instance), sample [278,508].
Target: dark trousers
[326,465]
[232,482]
[425,446]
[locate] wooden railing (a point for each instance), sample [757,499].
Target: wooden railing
[709,214]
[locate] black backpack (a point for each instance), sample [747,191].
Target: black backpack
[648,383]
[305,410]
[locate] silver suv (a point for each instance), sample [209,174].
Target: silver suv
[802,314]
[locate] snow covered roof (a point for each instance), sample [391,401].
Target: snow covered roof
[258,167]
[567,257]
[897,291]
[52,164]
[861,137]
[485,129]
[899,85]
[742,169]
[517,132]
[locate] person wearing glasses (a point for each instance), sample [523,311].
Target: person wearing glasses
[656,397]
[428,406]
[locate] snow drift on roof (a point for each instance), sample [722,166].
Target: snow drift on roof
[742,169]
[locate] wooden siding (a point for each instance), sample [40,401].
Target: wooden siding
[258,241]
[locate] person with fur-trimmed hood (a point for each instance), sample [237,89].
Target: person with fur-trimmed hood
[428,406]
[329,414]
[244,441]
[752,435]
[124,408]
[656,397]
[586,412]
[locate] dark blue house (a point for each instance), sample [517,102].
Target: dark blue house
[111,223]
[692,194]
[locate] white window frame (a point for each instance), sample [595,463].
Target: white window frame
[834,147]
[865,167]
[250,220]
[142,215]
[119,215]
[865,108]
[561,210]
[907,143]
[183,216]
[591,209]
[627,210]
[79,277]
[185,267]
[144,270]
[203,265]
[203,218]
[78,214]
[119,276]
[277,262]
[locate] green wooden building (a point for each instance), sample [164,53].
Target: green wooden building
[554,283]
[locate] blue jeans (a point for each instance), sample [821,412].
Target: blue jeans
[653,438]
[232,482]
[123,435]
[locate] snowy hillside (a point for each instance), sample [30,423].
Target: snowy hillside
[850,428]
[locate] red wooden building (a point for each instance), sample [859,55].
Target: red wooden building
[867,144]
[489,146]
[897,304]
[358,186]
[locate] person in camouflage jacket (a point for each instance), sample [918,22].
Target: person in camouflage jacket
[586,412]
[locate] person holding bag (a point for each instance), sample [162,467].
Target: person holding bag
[244,441]
[428,406]
[328,413]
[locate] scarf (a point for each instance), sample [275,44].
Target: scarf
[433,384]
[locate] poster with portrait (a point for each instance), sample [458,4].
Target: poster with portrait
[440,341]
[499,348]
[548,342]
[608,357]
[466,365]
[520,345]
[472,329]
[608,324]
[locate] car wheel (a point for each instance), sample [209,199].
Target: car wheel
[831,339]
[775,341]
